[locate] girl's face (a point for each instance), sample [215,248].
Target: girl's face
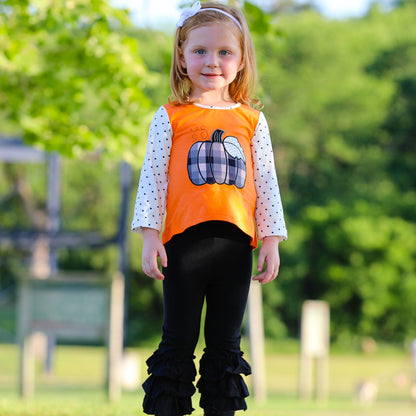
[212,57]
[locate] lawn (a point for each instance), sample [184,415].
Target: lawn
[76,386]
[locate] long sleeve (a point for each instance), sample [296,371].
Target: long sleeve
[150,204]
[269,210]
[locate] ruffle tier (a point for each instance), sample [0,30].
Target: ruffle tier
[221,384]
[169,387]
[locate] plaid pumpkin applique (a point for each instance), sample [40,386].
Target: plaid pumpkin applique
[217,161]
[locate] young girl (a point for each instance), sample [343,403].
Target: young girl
[209,166]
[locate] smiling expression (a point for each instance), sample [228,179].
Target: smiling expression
[212,58]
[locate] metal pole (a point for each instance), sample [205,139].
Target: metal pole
[53,205]
[53,208]
[125,182]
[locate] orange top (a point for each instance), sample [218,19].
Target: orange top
[211,168]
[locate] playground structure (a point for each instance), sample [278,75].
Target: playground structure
[67,306]
[13,150]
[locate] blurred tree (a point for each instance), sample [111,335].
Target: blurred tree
[70,80]
[341,116]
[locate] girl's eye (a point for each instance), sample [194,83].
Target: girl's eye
[224,53]
[200,51]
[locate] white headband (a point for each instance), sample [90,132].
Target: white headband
[196,8]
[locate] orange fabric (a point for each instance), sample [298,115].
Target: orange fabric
[189,204]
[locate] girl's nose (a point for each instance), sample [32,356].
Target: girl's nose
[212,60]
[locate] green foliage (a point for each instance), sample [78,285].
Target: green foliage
[341,115]
[157,64]
[259,21]
[70,80]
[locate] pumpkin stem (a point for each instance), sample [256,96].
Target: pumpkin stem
[216,136]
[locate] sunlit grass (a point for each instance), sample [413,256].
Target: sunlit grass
[76,386]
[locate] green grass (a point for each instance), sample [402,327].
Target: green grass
[76,386]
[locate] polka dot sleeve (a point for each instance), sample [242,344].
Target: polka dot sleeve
[150,204]
[269,210]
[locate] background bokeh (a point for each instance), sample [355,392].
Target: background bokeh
[83,79]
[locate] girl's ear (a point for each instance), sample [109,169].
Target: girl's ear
[182,59]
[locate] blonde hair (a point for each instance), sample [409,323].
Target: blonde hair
[242,88]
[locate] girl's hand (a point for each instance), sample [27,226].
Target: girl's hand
[269,253]
[152,249]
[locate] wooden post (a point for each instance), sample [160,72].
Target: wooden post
[27,368]
[256,333]
[314,349]
[322,378]
[305,377]
[26,358]
[115,338]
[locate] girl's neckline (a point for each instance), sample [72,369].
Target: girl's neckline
[213,107]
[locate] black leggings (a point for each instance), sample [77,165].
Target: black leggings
[212,262]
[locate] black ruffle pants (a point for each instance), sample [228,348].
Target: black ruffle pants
[212,262]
